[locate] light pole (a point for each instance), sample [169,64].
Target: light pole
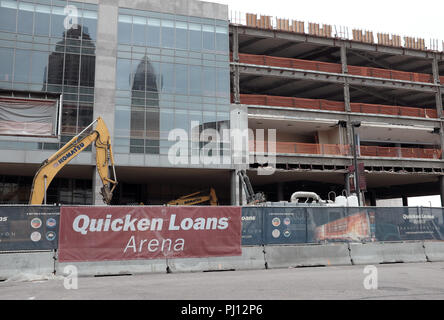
[356,124]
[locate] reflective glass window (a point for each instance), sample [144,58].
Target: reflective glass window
[25,18]
[69,118]
[167,34]
[85,115]
[123,74]
[195,80]
[139,25]
[39,65]
[181,78]
[55,68]
[122,119]
[6,58]
[181,35]
[223,82]
[181,119]
[209,81]
[153,32]
[167,70]
[8,12]
[87,70]
[124,29]
[72,68]
[41,20]
[152,78]
[222,39]
[208,37]
[57,22]
[89,22]
[195,31]
[22,65]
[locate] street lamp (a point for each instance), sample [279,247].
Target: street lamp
[356,124]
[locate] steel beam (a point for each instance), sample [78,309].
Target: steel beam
[261,70]
[350,44]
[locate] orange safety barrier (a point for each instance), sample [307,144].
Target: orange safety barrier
[252,59]
[306,103]
[320,104]
[254,99]
[300,148]
[332,105]
[389,110]
[411,112]
[304,64]
[279,101]
[278,62]
[329,67]
[333,68]
[396,152]
[430,113]
[402,75]
[358,71]
[380,73]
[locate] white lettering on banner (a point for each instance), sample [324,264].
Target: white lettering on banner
[154,245]
[83,224]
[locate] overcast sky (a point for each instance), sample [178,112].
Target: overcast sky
[424,19]
[406,18]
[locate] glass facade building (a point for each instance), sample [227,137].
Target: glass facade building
[172,72]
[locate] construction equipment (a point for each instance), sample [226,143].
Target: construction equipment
[252,198]
[104,159]
[195,198]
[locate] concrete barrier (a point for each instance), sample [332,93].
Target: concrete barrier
[40,263]
[306,255]
[387,252]
[434,250]
[110,268]
[252,258]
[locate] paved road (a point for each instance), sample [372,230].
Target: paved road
[395,281]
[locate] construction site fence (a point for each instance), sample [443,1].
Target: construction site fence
[36,228]
[341,150]
[320,224]
[329,105]
[265,21]
[334,68]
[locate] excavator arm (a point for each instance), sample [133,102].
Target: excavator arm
[194,198]
[104,159]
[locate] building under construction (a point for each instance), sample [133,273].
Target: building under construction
[319,86]
[148,69]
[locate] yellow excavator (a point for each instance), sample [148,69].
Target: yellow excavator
[104,160]
[195,198]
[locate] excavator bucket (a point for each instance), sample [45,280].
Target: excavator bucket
[107,194]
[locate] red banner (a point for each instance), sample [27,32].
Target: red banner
[126,233]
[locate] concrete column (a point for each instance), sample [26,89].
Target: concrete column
[105,76]
[347,183]
[436,80]
[438,96]
[344,64]
[235,189]
[236,73]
